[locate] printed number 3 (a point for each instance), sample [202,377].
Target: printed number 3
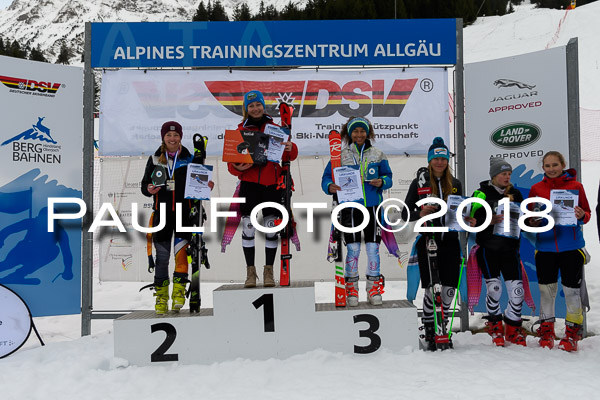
[368,333]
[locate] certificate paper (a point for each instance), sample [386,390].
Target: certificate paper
[563,206]
[451,218]
[513,221]
[348,178]
[196,182]
[276,137]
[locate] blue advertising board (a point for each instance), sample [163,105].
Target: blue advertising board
[273,43]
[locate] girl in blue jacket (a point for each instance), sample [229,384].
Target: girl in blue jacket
[376,176]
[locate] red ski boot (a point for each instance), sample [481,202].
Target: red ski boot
[572,336]
[496,331]
[546,333]
[514,334]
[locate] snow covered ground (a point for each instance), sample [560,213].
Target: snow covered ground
[70,367]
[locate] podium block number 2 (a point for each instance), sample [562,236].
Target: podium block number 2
[159,354]
[266,301]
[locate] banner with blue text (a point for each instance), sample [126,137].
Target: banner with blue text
[273,43]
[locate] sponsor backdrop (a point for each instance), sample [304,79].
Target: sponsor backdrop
[269,43]
[41,149]
[513,111]
[408,109]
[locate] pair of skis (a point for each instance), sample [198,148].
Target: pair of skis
[287,185]
[334,252]
[197,252]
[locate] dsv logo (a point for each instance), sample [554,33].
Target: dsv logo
[30,84]
[320,98]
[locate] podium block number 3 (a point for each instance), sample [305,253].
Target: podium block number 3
[266,301]
[368,333]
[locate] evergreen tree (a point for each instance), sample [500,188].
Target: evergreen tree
[291,12]
[242,13]
[201,12]
[63,55]
[15,50]
[2,48]
[37,55]
[217,12]
[400,11]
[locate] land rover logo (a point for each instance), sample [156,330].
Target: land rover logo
[516,134]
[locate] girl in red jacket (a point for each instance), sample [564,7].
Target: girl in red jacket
[559,249]
[259,185]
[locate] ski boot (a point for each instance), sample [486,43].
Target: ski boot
[268,276]
[429,336]
[514,333]
[572,336]
[375,286]
[251,277]
[352,291]
[178,295]
[496,329]
[161,292]
[546,333]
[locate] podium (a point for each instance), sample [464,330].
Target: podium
[261,323]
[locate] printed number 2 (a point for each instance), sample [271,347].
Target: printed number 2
[369,333]
[266,300]
[159,354]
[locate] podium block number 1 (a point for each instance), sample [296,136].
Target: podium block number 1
[266,301]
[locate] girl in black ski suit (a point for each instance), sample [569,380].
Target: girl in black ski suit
[500,254]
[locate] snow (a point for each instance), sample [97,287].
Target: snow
[71,368]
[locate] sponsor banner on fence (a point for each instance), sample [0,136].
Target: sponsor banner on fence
[515,112]
[40,146]
[273,43]
[407,108]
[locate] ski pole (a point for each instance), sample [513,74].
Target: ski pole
[456,299]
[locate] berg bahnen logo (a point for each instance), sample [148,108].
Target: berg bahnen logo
[515,135]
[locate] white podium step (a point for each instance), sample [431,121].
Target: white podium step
[262,323]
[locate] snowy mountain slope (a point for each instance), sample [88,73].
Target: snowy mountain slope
[49,23]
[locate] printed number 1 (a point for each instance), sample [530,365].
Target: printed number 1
[266,300]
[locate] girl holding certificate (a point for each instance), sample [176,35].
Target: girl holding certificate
[375,177]
[436,180]
[560,250]
[259,185]
[164,181]
[500,254]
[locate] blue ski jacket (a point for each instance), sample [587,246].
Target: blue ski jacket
[372,162]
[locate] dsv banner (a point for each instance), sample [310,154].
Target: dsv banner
[407,109]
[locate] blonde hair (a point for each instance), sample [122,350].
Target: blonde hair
[556,154]
[445,180]
[163,153]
